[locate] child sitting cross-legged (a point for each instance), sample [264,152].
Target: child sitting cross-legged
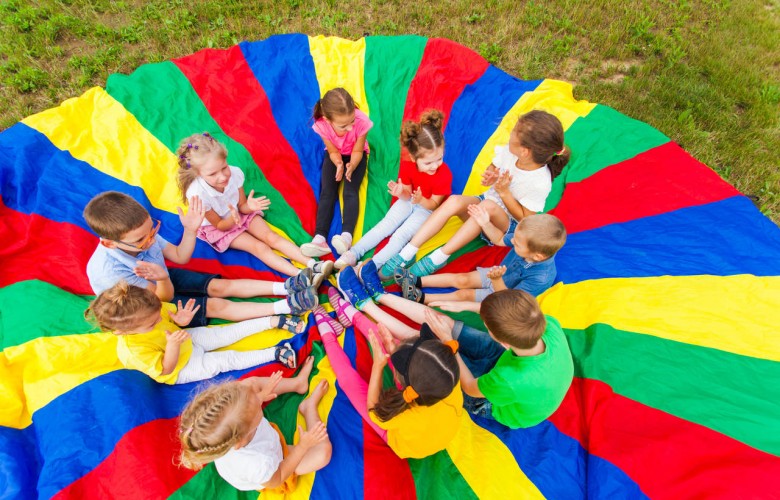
[529,267]
[151,341]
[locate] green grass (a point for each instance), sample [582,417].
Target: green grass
[705,73]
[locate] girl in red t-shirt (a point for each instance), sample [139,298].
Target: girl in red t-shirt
[423,184]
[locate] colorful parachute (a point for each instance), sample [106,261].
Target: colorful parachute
[669,284]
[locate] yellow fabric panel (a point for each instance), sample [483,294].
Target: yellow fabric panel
[441,237]
[340,63]
[38,371]
[112,141]
[481,458]
[552,96]
[698,310]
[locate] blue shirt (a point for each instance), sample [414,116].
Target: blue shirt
[109,265]
[531,277]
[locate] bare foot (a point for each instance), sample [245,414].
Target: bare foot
[310,404]
[302,379]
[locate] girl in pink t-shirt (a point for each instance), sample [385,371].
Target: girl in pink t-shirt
[343,129]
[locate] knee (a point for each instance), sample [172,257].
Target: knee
[461,281]
[215,307]
[217,288]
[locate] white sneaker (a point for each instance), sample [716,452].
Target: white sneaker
[340,244]
[347,259]
[314,249]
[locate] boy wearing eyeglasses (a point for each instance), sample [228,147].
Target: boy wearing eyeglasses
[131,249]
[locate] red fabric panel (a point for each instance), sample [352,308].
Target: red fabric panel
[229,90]
[660,180]
[42,249]
[667,456]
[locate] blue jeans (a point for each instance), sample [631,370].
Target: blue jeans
[402,221]
[191,285]
[480,354]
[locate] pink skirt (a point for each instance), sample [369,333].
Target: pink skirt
[221,240]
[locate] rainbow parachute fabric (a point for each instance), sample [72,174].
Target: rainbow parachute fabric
[669,288]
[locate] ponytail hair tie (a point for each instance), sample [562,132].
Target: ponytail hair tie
[186,160]
[559,153]
[452,344]
[208,136]
[410,394]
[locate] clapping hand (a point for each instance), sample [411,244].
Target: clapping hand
[177,338]
[150,271]
[395,189]
[380,358]
[259,204]
[417,196]
[489,176]
[192,220]
[479,214]
[502,184]
[339,162]
[184,315]
[234,214]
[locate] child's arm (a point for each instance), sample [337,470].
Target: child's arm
[515,209]
[375,382]
[467,381]
[496,277]
[335,157]
[308,440]
[190,221]
[158,278]
[482,217]
[173,343]
[224,224]
[250,204]
[355,157]
[431,203]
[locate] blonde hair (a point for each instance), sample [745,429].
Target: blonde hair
[423,135]
[542,134]
[335,102]
[192,153]
[513,317]
[122,307]
[111,215]
[213,422]
[544,233]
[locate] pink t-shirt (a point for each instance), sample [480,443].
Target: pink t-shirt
[346,142]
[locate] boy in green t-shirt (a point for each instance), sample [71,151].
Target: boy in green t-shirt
[518,372]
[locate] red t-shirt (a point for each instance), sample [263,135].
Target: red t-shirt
[438,183]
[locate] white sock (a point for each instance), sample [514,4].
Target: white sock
[279,288]
[439,257]
[409,251]
[310,263]
[281,307]
[318,239]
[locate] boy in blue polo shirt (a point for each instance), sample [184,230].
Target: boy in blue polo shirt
[131,249]
[529,267]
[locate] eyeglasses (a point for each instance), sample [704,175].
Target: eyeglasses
[143,244]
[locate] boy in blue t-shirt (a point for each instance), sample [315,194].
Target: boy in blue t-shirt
[529,267]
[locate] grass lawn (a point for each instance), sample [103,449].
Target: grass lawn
[705,73]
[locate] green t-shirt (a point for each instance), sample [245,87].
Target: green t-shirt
[525,390]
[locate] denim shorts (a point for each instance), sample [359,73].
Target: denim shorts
[478,406]
[510,230]
[192,285]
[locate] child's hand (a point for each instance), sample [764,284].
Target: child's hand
[496,272]
[184,315]
[438,324]
[417,196]
[259,204]
[450,305]
[395,189]
[489,176]
[150,271]
[268,394]
[177,338]
[502,184]
[380,358]
[479,214]
[234,214]
[350,168]
[194,216]
[390,343]
[314,436]
[339,162]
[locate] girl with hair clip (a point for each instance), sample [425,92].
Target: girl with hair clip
[423,183]
[343,129]
[520,178]
[225,424]
[151,341]
[231,215]
[421,414]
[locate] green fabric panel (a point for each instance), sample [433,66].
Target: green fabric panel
[208,484]
[602,138]
[735,395]
[22,304]
[175,97]
[436,477]
[390,65]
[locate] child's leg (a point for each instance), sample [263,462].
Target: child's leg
[205,365]
[478,350]
[403,234]
[412,310]
[222,336]
[350,381]
[250,244]
[471,229]
[398,328]
[454,205]
[243,288]
[298,383]
[457,280]
[263,232]
[329,191]
[319,455]
[239,311]
[396,217]
[351,206]
[465,295]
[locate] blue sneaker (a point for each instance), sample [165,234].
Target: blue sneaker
[303,301]
[352,288]
[299,282]
[425,266]
[370,278]
[386,273]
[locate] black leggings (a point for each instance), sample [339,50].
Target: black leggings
[329,191]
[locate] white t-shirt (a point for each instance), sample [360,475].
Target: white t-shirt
[213,199]
[529,187]
[250,467]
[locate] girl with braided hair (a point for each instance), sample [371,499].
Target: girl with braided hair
[225,424]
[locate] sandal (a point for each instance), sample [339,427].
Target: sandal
[285,355]
[321,316]
[407,281]
[293,324]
